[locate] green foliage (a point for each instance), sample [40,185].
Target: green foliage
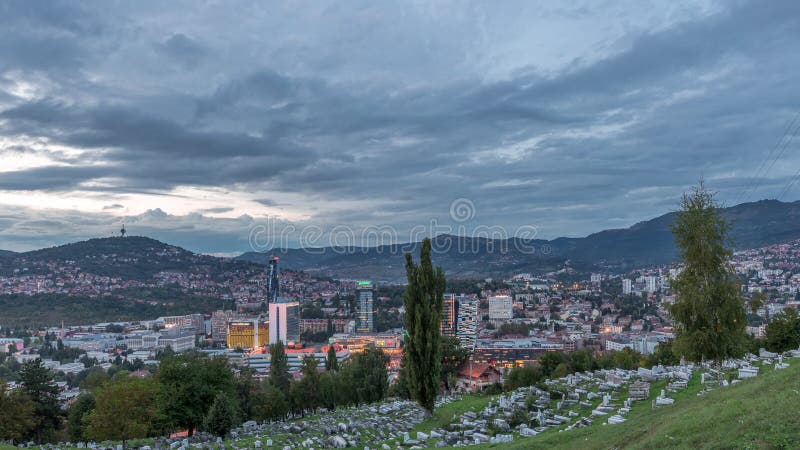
[124,409]
[549,361]
[453,355]
[17,419]
[366,374]
[708,311]
[279,367]
[783,333]
[663,355]
[78,417]
[523,376]
[269,403]
[36,384]
[51,309]
[331,363]
[423,309]
[246,389]
[400,387]
[510,328]
[305,394]
[188,386]
[221,416]
[518,417]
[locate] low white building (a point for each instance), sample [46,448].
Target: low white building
[501,307]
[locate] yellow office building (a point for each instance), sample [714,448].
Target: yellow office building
[247,334]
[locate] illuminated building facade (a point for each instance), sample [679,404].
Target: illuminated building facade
[449,323]
[366,310]
[467,321]
[247,334]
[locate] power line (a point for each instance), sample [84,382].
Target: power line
[792,180]
[755,181]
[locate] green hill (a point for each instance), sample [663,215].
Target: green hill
[130,258]
[756,413]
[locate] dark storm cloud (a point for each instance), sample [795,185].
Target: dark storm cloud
[608,139]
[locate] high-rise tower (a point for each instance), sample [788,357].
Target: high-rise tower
[272,280]
[366,311]
[449,315]
[284,321]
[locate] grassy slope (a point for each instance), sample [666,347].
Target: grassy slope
[444,415]
[757,413]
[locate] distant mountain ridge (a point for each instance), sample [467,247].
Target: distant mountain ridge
[650,242]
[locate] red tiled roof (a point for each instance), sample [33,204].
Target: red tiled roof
[474,370]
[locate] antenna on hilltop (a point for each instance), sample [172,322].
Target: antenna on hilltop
[122,231]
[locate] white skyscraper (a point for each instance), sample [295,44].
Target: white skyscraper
[627,286]
[284,321]
[650,284]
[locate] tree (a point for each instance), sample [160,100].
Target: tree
[423,309]
[400,386]
[16,415]
[549,361]
[279,367]
[78,417]
[708,311]
[221,417]
[331,363]
[367,373]
[37,383]
[188,386]
[523,376]
[453,356]
[305,394]
[94,379]
[663,355]
[124,409]
[270,403]
[327,390]
[758,301]
[783,333]
[246,389]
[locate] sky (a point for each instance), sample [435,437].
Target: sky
[232,126]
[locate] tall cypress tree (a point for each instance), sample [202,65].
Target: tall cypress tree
[708,311]
[423,310]
[331,363]
[279,367]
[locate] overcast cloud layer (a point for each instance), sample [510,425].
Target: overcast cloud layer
[195,122]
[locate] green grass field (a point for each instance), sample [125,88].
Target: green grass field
[756,413]
[444,415]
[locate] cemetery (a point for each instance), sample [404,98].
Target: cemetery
[598,399]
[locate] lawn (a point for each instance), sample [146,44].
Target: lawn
[444,415]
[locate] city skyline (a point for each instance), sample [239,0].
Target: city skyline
[569,118]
